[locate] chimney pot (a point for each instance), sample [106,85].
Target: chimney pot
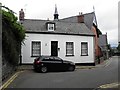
[81,18]
[21,15]
[80,13]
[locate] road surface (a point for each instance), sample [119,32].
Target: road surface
[80,78]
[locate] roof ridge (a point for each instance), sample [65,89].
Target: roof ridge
[77,15]
[54,21]
[35,20]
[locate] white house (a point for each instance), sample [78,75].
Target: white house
[67,40]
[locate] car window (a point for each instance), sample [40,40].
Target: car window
[41,58]
[46,59]
[51,58]
[57,59]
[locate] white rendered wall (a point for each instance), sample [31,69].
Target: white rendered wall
[62,39]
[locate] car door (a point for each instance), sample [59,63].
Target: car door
[47,62]
[52,63]
[58,63]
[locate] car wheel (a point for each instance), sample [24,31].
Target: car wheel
[71,68]
[43,69]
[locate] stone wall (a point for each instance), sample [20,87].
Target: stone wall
[7,69]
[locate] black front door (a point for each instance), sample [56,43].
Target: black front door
[54,48]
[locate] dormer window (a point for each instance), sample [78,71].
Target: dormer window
[51,26]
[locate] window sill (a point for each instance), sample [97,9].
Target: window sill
[69,55]
[51,30]
[84,55]
[34,56]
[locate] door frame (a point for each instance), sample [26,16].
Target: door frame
[54,50]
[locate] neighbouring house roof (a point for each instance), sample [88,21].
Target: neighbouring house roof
[88,19]
[61,27]
[102,41]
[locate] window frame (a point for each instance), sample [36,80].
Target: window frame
[85,43]
[32,50]
[67,54]
[50,24]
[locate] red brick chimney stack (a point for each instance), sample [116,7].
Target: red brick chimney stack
[21,15]
[81,18]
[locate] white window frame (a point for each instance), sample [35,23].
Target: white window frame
[36,48]
[51,26]
[69,49]
[84,48]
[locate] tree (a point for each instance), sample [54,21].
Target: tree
[13,35]
[118,48]
[111,52]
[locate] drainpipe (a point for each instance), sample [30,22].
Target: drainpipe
[20,56]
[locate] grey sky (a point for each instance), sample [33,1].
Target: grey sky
[106,12]
[119,22]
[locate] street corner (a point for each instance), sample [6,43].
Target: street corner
[10,80]
[110,86]
[105,63]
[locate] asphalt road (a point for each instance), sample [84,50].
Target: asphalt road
[80,78]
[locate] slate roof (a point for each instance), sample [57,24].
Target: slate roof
[62,27]
[102,41]
[88,19]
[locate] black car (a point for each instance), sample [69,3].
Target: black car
[47,63]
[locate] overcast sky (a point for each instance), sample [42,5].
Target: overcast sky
[106,12]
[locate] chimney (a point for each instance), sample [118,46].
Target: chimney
[81,18]
[21,15]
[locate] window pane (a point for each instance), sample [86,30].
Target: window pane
[50,27]
[84,48]
[69,48]
[36,48]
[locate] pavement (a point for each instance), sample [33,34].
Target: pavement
[110,85]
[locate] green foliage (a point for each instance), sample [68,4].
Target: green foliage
[118,47]
[111,52]
[13,35]
[10,21]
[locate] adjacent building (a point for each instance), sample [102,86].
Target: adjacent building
[103,43]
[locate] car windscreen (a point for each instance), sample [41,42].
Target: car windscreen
[57,58]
